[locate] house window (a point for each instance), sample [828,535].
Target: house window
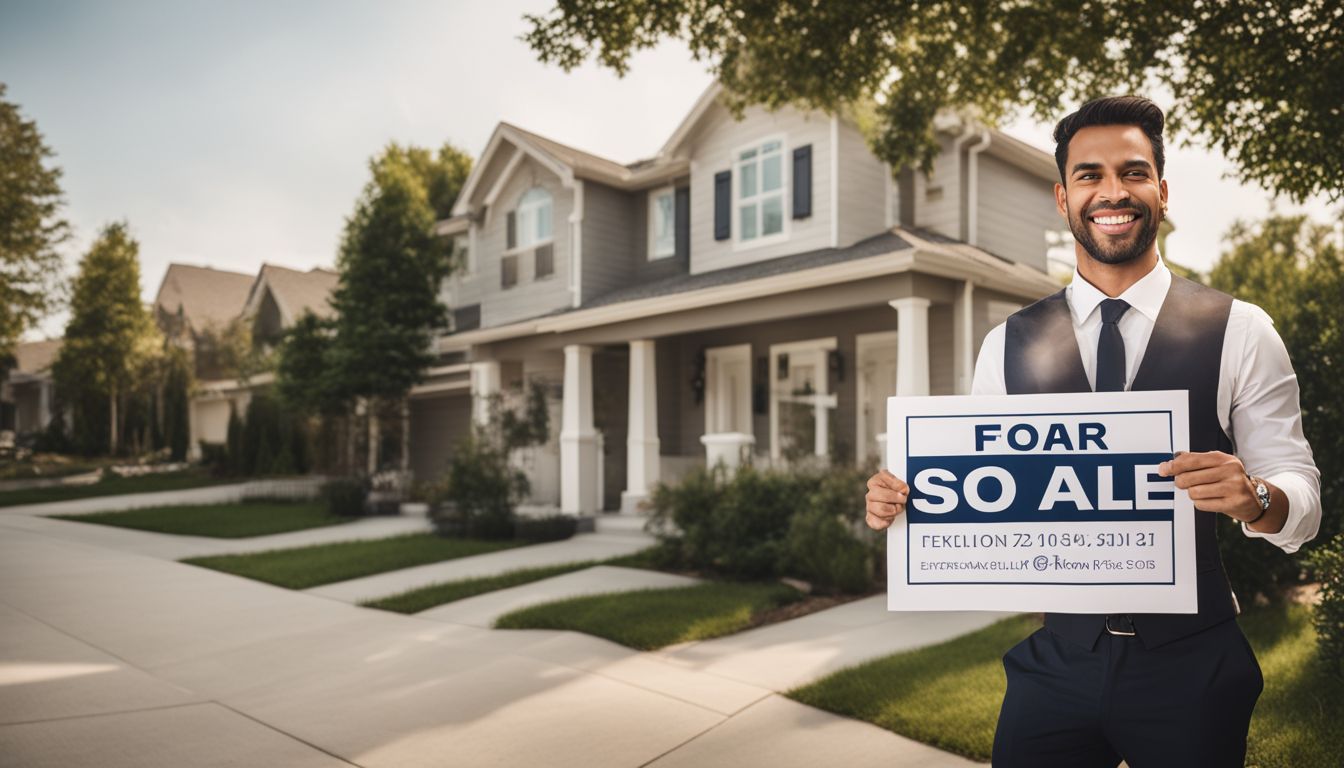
[462,255]
[760,190]
[534,217]
[662,223]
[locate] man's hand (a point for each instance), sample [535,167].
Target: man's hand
[885,500]
[1216,482]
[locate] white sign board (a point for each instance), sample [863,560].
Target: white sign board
[1041,503]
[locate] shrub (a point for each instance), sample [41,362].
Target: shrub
[345,496]
[481,489]
[763,524]
[827,543]
[215,457]
[1328,564]
[548,528]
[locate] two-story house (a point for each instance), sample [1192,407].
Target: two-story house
[758,287]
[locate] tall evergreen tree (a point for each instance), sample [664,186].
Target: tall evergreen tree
[109,340]
[30,227]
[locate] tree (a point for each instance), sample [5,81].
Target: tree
[391,265]
[30,227]
[110,340]
[1294,270]
[1256,79]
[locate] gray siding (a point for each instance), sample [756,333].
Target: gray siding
[608,241]
[1015,208]
[712,146]
[942,355]
[938,197]
[530,297]
[863,188]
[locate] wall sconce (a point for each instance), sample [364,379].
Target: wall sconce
[698,376]
[836,362]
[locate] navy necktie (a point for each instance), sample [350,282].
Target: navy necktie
[1111,347]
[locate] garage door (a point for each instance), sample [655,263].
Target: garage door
[437,424]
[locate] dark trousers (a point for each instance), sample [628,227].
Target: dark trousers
[1187,703]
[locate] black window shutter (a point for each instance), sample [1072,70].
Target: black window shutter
[682,219]
[512,235]
[802,182]
[723,204]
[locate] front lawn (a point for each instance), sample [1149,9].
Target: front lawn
[115,486]
[304,567]
[652,618]
[424,598]
[222,521]
[948,695]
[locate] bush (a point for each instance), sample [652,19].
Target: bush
[828,544]
[1328,564]
[548,528]
[481,489]
[758,524]
[345,496]
[215,457]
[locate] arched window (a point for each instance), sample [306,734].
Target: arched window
[533,217]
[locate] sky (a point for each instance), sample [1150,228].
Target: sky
[235,134]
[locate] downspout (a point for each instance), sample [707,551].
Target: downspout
[972,201]
[576,246]
[968,132]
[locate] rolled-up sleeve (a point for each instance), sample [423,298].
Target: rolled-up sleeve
[1266,423]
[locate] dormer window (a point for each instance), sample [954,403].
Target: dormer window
[533,218]
[759,198]
[662,223]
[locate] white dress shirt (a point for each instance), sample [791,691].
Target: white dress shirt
[1257,390]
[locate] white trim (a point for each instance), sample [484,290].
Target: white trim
[505,132]
[835,181]
[821,400]
[785,196]
[428,390]
[864,343]
[714,357]
[651,216]
[498,187]
[973,191]
[692,118]
[889,217]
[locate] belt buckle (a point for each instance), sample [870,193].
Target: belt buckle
[1118,632]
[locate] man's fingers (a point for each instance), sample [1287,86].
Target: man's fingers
[887,496]
[1196,477]
[884,479]
[1187,461]
[1212,491]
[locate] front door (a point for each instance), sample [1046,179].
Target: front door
[876,382]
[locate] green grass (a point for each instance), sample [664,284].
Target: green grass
[168,481]
[304,567]
[221,521]
[653,618]
[424,598]
[1296,721]
[948,695]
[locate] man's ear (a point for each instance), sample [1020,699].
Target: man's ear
[1162,191]
[1061,199]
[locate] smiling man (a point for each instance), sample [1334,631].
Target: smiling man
[1149,689]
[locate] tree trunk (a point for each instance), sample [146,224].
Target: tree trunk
[406,433]
[373,438]
[112,426]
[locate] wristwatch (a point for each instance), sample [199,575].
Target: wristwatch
[1261,495]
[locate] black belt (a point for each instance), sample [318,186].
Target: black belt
[1120,624]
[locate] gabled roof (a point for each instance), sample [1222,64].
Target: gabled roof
[203,295]
[36,356]
[569,163]
[294,292]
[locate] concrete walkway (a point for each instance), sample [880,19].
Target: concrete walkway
[106,645]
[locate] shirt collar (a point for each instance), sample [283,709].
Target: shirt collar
[1146,295]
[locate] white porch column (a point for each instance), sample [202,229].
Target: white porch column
[484,383]
[912,349]
[578,438]
[963,335]
[641,445]
[43,404]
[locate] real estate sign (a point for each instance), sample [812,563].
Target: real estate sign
[1041,503]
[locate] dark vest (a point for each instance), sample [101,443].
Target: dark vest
[1185,352]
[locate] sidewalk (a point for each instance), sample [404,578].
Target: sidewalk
[102,652]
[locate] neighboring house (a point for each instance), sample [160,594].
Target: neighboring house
[27,394]
[759,286]
[195,304]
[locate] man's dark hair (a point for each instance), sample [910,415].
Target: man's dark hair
[1112,110]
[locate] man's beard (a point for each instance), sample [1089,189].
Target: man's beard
[1119,252]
